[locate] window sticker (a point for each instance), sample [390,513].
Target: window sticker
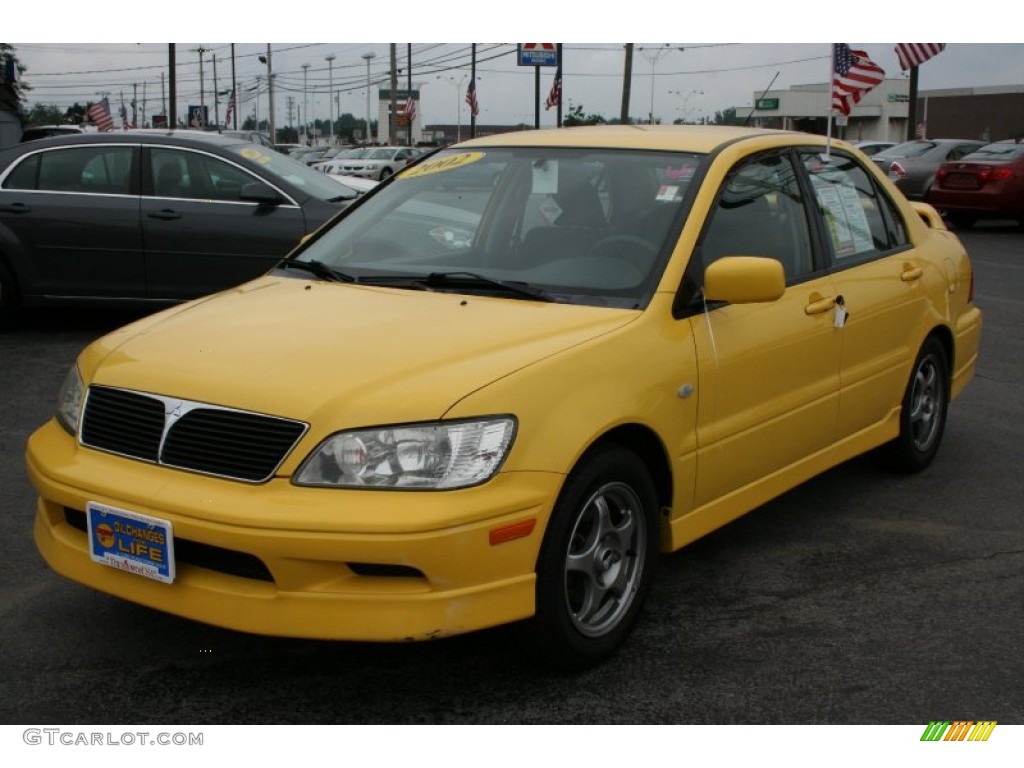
[550,210]
[441,164]
[255,155]
[668,193]
[845,218]
[545,177]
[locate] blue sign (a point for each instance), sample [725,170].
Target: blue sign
[538,55]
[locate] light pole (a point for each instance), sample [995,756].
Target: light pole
[330,91]
[368,56]
[458,102]
[202,98]
[684,97]
[653,55]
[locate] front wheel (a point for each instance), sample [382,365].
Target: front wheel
[597,560]
[923,412]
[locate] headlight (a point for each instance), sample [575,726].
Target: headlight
[69,401]
[431,456]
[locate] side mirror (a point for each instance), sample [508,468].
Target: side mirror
[257,192]
[744,280]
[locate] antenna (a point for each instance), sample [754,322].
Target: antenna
[747,121]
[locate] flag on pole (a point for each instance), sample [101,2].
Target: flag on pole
[913,54]
[124,116]
[410,109]
[231,108]
[853,75]
[474,105]
[99,113]
[555,96]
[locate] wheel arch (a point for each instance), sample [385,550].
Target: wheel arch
[645,443]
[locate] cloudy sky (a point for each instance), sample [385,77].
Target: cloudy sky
[67,63]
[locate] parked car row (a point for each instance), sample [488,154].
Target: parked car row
[376,163]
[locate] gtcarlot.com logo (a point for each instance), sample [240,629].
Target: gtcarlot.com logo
[958,730]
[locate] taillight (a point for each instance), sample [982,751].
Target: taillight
[896,171]
[942,173]
[995,174]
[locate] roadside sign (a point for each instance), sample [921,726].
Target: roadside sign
[538,55]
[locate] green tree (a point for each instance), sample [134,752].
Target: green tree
[44,114]
[727,117]
[577,117]
[20,87]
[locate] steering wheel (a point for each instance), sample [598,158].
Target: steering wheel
[625,247]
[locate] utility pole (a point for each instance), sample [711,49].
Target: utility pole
[172,113]
[202,94]
[369,133]
[270,95]
[472,79]
[330,98]
[234,86]
[627,80]
[216,96]
[408,80]
[305,102]
[392,126]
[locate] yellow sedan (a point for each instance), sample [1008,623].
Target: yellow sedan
[499,385]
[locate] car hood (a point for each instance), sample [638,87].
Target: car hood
[337,353]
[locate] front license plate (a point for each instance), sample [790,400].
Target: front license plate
[131,542]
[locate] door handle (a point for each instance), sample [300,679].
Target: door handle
[819,305]
[166,214]
[15,208]
[911,273]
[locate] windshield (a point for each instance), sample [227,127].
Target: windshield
[297,173]
[578,225]
[380,154]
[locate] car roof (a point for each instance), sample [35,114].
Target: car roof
[690,138]
[156,136]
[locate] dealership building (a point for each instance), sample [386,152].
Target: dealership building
[989,113]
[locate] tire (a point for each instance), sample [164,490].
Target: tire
[923,412]
[8,297]
[384,173]
[597,560]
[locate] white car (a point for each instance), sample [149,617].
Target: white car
[361,186]
[371,162]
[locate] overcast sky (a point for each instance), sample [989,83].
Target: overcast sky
[66,63]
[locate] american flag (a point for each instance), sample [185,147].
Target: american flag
[99,113]
[912,54]
[474,105]
[854,75]
[555,96]
[410,109]
[231,109]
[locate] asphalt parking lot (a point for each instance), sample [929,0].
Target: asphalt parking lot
[859,597]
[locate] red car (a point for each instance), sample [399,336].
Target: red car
[986,184]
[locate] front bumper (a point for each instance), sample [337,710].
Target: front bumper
[315,563]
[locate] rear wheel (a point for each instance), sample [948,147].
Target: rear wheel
[923,412]
[384,173]
[597,560]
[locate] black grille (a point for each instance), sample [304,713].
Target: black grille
[216,441]
[123,422]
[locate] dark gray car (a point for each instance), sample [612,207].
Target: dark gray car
[149,216]
[912,165]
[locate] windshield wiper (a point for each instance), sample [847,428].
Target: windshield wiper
[464,278]
[319,269]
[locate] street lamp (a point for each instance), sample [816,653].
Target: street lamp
[368,56]
[652,55]
[330,91]
[684,97]
[458,102]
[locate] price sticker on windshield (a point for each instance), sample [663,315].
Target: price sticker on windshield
[441,164]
